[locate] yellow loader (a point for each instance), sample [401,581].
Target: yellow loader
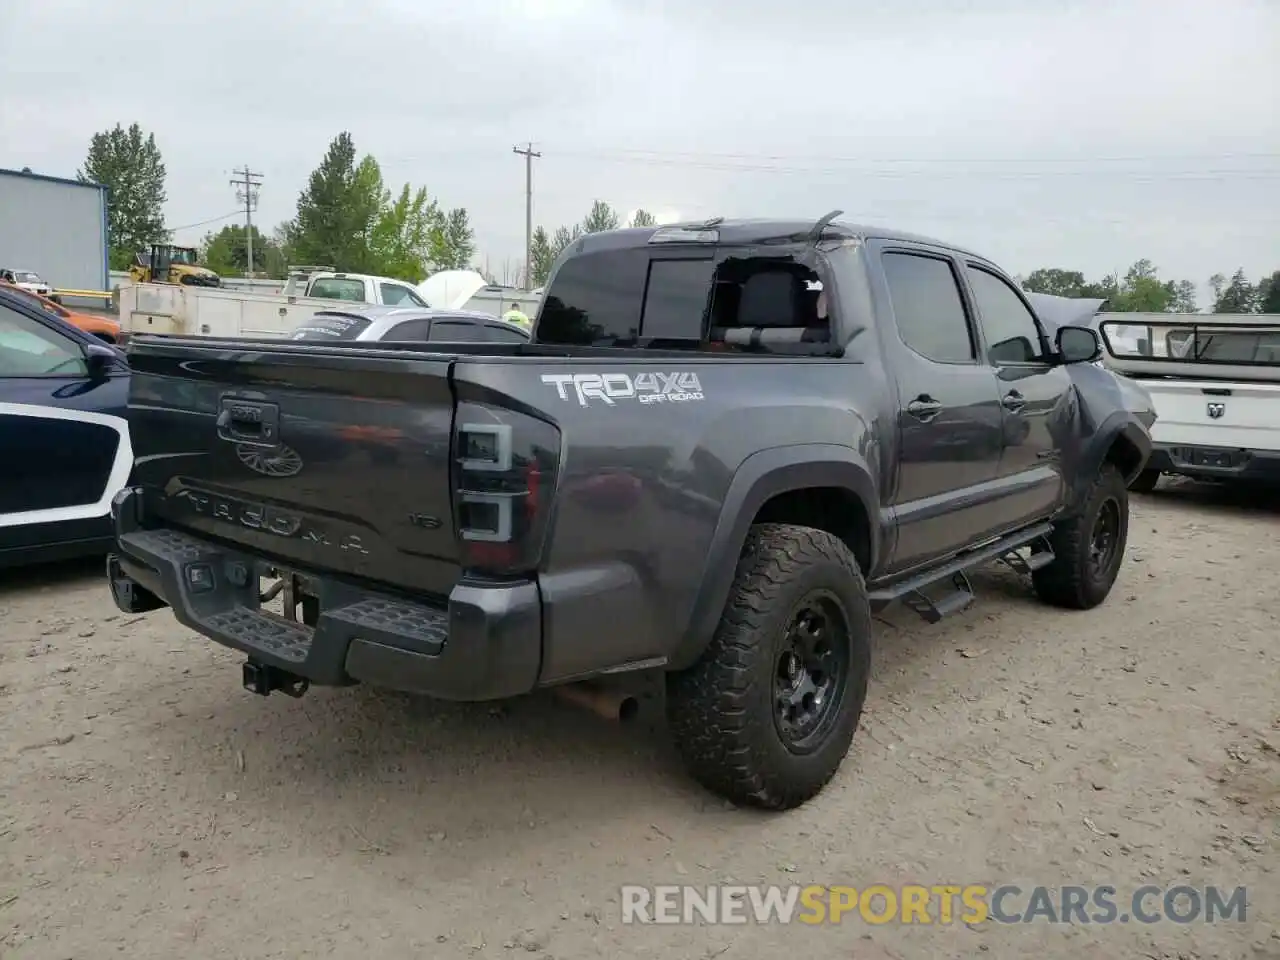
[170,264]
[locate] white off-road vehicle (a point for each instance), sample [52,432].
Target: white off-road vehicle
[1215,383]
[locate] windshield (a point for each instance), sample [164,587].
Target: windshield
[26,276]
[330,326]
[337,288]
[184,255]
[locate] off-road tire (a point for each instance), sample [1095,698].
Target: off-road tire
[722,709]
[1070,580]
[1145,482]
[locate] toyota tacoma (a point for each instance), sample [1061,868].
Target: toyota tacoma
[726,445]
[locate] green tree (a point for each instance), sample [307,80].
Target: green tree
[541,257]
[454,242]
[643,218]
[404,234]
[1269,294]
[1108,288]
[1058,283]
[1238,296]
[348,218]
[602,217]
[338,210]
[1142,291]
[561,239]
[226,253]
[129,164]
[1217,283]
[1184,298]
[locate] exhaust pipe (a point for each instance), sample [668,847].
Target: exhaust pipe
[604,702]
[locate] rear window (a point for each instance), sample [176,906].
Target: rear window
[338,288]
[324,326]
[622,295]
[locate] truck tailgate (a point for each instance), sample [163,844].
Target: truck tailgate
[1223,414]
[320,459]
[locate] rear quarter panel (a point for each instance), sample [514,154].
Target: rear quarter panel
[647,486]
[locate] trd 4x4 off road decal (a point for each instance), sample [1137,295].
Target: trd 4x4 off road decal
[678,387]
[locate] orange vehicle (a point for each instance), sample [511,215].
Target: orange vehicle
[103,328]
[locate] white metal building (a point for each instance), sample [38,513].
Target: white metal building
[56,227]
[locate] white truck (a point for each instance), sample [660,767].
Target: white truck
[1215,383]
[221,312]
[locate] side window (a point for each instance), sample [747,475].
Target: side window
[928,307]
[1013,336]
[409,331]
[676,299]
[594,299]
[456,331]
[394,295]
[30,349]
[496,334]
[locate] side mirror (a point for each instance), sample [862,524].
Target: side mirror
[98,359]
[1078,345]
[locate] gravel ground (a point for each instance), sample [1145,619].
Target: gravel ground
[150,808]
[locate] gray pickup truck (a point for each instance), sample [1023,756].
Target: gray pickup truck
[727,444]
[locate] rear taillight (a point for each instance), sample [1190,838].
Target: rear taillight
[504,472]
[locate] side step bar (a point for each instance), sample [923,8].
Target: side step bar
[958,593]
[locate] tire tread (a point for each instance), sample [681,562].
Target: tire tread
[719,735]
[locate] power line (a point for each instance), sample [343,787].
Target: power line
[1139,176]
[247,184]
[704,156]
[201,223]
[528,153]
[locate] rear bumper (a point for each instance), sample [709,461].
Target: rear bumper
[1216,463]
[485,643]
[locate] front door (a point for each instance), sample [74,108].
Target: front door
[949,419]
[1036,397]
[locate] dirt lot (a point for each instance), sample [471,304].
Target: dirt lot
[150,808]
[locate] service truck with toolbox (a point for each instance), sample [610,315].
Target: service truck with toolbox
[727,444]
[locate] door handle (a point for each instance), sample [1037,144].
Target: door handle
[1013,401]
[924,408]
[243,421]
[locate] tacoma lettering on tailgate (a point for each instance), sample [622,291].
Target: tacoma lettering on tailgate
[258,516]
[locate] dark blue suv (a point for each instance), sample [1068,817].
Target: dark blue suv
[64,439]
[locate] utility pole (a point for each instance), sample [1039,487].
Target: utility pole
[247,183]
[528,153]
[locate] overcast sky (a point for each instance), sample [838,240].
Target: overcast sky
[1075,133]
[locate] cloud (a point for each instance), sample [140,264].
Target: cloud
[1082,133]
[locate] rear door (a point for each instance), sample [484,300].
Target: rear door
[63,435]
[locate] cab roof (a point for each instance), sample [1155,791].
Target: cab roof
[762,231]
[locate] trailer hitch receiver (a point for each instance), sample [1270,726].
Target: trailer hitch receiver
[262,679]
